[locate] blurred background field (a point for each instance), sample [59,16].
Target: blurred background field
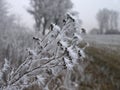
[103,71]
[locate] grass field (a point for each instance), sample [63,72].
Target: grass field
[104,67]
[103,72]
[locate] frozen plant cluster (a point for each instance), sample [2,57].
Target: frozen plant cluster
[53,62]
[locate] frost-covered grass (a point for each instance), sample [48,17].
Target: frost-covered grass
[103,72]
[103,39]
[56,61]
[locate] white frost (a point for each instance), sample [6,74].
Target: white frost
[41,79]
[6,65]
[72,53]
[68,64]
[82,53]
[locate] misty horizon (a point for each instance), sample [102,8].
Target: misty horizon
[87,10]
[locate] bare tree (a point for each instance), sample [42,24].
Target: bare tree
[103,20]
[3,15]
[47,11]
[107,20]
[114,15]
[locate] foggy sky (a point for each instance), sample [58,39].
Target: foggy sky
[86,8]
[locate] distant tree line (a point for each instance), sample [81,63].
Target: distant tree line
[107,22]
[14,38]
[47,11]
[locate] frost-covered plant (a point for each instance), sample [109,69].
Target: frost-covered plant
[52,63]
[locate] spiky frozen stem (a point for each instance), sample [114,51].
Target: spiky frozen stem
[58,52]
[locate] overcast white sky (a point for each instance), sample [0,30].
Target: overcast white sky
[86,8]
